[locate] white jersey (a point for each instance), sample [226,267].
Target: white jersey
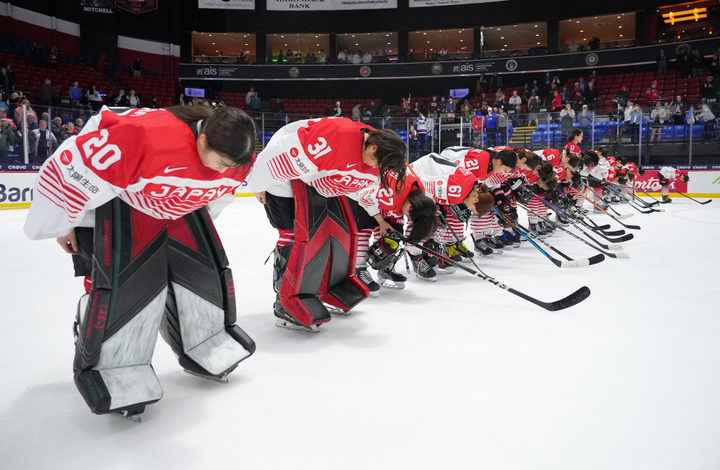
[668,172]
[601,170]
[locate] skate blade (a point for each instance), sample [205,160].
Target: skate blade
[446,271]
[291,326]
[388,284]
[222,380]
[374,293]
[336,311]
[123,415]
[428,279]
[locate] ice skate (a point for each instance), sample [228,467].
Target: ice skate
[390,279]
[222,379]
[366,278]
[463,251]
[422,269]
[336,310]
[483,249]
[666,200]
[507,240]
[494,242]
[536,230]
[130,414]
[285,320]
[452,253]
[445,268]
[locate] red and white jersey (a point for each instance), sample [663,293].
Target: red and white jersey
[670,173]
[386,201]
[476,161]
[553,157]
[444,181]
[601,170]
[324,153]
[572,148]
[631,168]
[146,157]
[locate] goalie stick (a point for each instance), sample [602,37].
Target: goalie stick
[567,302]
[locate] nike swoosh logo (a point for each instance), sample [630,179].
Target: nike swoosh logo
[170,170]
[350,166]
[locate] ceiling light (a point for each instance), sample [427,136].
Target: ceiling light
[621,35]
[502,37]
[387,35]
[618,17]
[459,31]
[536,26]
[428,42]
[210,35]
[582,30]
[539,35]
[286,44]
[538,44]
[213,44]
[357,44]
[505,45]
[247,44]
[584,39]
[282,36]
[498,29]
[318,45]
[424,34]
[579,22]
[353,35]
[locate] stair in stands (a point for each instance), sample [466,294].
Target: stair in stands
[522,136]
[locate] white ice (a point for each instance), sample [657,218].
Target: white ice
[453,375]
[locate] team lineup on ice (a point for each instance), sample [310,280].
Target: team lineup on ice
[357,225]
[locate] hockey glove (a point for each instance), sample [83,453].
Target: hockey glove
[460,212]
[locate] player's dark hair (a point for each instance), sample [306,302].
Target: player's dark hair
[594,159]
[575,162]
[390,155]
[422,216]
[685,178]
[229,131]
[507,158]
[531,159]
[551,183]
[486,201]
[604,150]
[545,170]
[641,171]
[573,134]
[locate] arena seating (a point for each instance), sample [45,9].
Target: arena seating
[149,86]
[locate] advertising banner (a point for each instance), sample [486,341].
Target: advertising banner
[137,6]
[16,189]
[226,4]
[317,5]
[97,6]
[445,3]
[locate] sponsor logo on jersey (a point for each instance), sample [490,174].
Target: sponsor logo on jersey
[184,193]
[170,170]
[66,157]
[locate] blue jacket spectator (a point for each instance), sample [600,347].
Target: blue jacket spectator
[75,94]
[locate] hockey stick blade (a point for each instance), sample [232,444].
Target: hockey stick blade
[609,233]
[580,263]
[693,199]
[569,301]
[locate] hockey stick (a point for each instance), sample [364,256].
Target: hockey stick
[699,202]
[607,247]
[569,263]
[648,195]
[635,199]
[646,210]
[569,301]
[597,228]
[444,221]
[617,219]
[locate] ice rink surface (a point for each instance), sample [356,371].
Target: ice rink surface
[452,375]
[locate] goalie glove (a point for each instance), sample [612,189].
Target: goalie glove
[383,252]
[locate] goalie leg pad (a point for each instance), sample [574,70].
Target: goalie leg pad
[118,327]
[321,265]
[200,312]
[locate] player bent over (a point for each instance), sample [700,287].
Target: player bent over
[667,176]
[302,177]
[127,198]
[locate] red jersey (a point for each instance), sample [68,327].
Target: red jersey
[386,201]
[444,181]
[324,153]
[572,148]
[147,157]
[553,157]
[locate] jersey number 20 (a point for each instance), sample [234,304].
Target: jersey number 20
[101,155]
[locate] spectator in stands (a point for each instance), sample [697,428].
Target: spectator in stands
[697,64]
[484,102]
[567,119]
[328,110]
[443,53]
[7,83]
[427,57]
[491,124]
[2,103]
[585,122]
[676,111]
[533,108]
[7,136]
[56,128]
[500,101]
[182,100]
[121,99]
[367,58]
[280,58]
[32,121]
[416,109]
[478,123]
[279,112]
[310,57]
[405,107]
[442,107]
[684,65]
[662,63]
[410,56]
[322,57]
[652,93]
[53,57]
[590,96]
[357,112]
[621,98]
[68,131]
[94,98]
[573,47]
[79,124]
[594,43]
[342,57]
[658,116]
[75,94]
[502,126]
[255,103]
[249,96]
[515,102]
[450,106]
[137,68]
[708,118]
[422,128]
[716,62]
[413,143]
[357,58]
[581,84]
[577,96]
[565,93]
[466,110]
[635,120]
[556,104]
[433,107]
[45,142]
[708,89]
[48,93]
[154,103]
[37,53]
[243,57]
[372,110]
[133,99]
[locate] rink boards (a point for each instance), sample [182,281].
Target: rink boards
[16,186]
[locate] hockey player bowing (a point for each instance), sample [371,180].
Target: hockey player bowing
[126,197]
[381,211]
[458,193]
[302,177]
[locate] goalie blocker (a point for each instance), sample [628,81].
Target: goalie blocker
[149,275]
